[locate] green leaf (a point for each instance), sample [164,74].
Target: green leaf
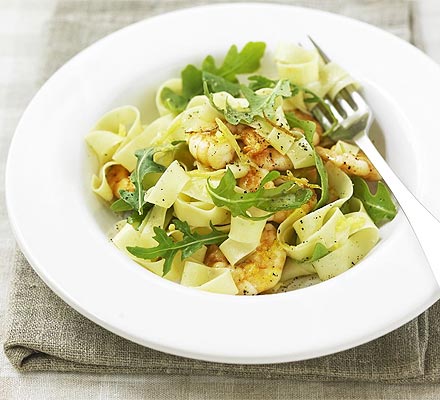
[192,84]
[208,65]
[218,79]
[120,205]
[260,82]
[218,84]
[167,248]
[309,128]
[284,197]
[379,206]
[135,219]
[318,252]
[244,62]
[145,165]
[173,101]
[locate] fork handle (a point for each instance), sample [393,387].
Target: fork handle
[424,224]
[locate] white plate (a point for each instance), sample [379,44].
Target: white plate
[61,227]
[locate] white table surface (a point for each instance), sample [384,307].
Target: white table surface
[23,24]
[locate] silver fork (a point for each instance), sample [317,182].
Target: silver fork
[354,119]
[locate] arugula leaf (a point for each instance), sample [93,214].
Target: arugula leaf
[167,248]
[173,101]
[243,62]
[259,105]
[314,98]
[319,251]
[192,85]
[260,82]
[135,219]
[145,165]
[120,205]
[309,128]
[379,206]
[191,81]
[284,197]
[218,84]
[218,79]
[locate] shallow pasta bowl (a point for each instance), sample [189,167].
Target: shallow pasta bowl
[62,227]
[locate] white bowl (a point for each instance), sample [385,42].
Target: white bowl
[62,228]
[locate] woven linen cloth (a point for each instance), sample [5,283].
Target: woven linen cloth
[44,333]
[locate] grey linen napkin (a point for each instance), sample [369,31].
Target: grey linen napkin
[44,333]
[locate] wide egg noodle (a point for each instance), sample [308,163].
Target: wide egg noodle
[148,137]
[343,187]
[301,154]
[332,79]
[340,234]
[104,143]
[364,235]
[164,193]
[297,64]
[130,237]
[199,213]
[100,184]
[301,67]
[199,116]
[305,68]
[243,238]
[114,130]
[209,279]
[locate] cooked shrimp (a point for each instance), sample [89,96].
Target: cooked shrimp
[210,149]
[259,150]
[215,258]
[351,164]
[253,143]
[251,181]
[118,179]
[259,271]
[271,159]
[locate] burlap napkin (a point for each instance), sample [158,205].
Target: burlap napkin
[46,334]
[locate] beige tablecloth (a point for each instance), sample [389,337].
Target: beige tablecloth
[45,334]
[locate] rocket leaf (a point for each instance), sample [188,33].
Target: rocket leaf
[379,206]
[135,200]
[167,248]
[223,78]
[319,251]
[309,127]
[284,197]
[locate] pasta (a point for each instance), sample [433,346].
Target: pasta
[235,188]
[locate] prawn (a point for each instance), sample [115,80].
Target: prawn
[358,165]
[251,181]
[253,143]
[118,179]
[271,159]
[259,271]
[259,150]
[210,149]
